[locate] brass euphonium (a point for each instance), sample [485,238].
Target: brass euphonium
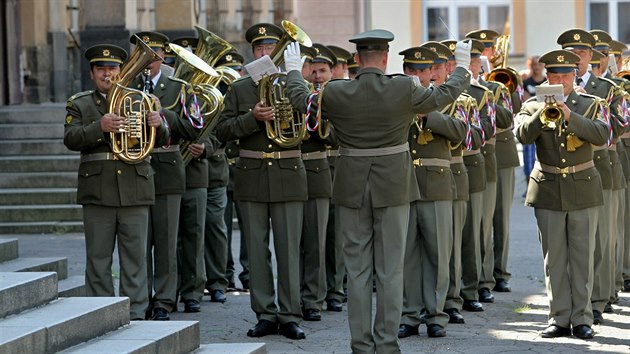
[135,142]
[288,127]
[501,72]
[202,99]
[624,71]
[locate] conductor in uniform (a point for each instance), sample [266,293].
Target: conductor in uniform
[115,195]
[565,189]
[374,181]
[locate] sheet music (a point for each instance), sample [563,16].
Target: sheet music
[260,67]
[552,93]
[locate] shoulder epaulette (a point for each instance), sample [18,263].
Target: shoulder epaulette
[588,95]
[607,80]
[531,99]
[80,94]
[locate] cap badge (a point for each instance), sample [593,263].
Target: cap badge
[483,35]
[146,39]
[417,55]
[560,58]
[433,49]
[596,37]
[576,36]
[228,57]
[105,52]
[185,43]
[262,30]
[451,46]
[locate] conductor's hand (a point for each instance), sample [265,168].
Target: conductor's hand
[112,123]
[262,113]
[462,54]
[154,119]
[196,150]
[292,59]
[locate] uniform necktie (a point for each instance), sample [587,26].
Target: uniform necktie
[578,81]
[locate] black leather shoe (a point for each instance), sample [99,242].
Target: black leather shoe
[217,296]
[263,328]
[626,285]
[405,331]
[245,284]
[334,305]
[160,314]
[472,306]
[485,295]
[454,316]
[597,317]
[191,305]
[311,315]
[608,308]
[435,330]
[583,332]
[502,286]
[291,330]
[555,331]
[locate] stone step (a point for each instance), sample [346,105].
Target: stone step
[40,163]
[73,286]
[8,249]
[57,212]
[62,324]
[41,113]
[35,196]
[38,179]
[171,337]
[23,290]
[41,227]
[31,131]
[232,348]
[33,147]
[37,264]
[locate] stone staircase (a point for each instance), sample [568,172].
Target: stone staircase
[35,317]
[38,174]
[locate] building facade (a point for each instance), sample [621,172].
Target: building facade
[42,41]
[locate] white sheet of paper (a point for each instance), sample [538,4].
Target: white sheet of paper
[612,65]
[550,92]
[485,64]
[260,67]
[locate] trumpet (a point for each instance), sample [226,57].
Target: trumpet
[551,116]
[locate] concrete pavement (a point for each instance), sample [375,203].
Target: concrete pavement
[511,324]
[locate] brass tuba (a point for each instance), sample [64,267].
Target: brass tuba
[288,127]
[135,141]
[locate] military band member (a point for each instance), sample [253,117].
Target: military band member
[353,67]
[374,181]
[454,301]
[340,70]
[169,184]
[581,43]
[316,207]
[623,148]
[115,195]
[269,183]
[565,190]
[430,236]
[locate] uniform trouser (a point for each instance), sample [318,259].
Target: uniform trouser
[426,268]
[128,227]
[313,260]
[192,222]
[215,240]
[286,221]
[501,222]
[568,242]
[602,260]
[487,239]
[162,251]
[471,248]
[625,265]
[617,255]
[243,276]
[335,266]
[453,297]
[374,239]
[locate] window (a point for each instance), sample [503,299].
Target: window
[446,19]
[610,16]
